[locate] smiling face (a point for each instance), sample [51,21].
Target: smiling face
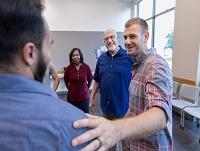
[135,39]
[76,57]
[110,40]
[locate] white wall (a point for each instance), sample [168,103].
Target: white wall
[186,40]
[87,41]
[87,15]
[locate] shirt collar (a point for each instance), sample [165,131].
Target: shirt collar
[12,82]
[140,58]
[121,51]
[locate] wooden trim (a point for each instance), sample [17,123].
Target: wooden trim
[186,81]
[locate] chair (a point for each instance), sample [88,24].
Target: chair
[194,111]
[188,96]
[176,89]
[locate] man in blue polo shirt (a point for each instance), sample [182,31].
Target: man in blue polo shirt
[112,76]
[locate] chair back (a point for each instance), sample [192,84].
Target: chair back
[189,93]
[176,89]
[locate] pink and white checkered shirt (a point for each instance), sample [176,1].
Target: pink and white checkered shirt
[151,86]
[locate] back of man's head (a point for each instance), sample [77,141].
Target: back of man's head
[20,22]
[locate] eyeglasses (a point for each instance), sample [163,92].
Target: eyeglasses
[110,37]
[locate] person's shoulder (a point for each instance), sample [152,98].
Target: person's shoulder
[156,61]
[64,114]
[51,68]
[70,66]
[103,55]
[122,50]
[65,110]
[86,66]
[56,109]
[131,59]
[102,58]
[51,65]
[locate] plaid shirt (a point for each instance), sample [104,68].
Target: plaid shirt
[151,86]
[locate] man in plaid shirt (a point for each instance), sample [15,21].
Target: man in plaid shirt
[150,91]
[148,123]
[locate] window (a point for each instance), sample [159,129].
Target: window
[135,9]
[161,14]
[164,35]
[163,5]
[146,5]
[149,22]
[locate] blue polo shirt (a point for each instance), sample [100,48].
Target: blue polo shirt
[33,118]
[113,73]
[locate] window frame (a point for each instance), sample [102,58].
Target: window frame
[153,17]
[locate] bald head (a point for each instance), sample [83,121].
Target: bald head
[112,31]
[110,40]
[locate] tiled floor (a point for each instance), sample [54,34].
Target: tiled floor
[187,139]
[184,140]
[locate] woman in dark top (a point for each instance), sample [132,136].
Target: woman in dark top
[78,78]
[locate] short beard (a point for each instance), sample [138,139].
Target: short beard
[113,50]
[40,68]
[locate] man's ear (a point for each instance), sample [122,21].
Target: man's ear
[28,53]
[146,36]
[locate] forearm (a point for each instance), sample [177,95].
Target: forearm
[56,83]
[94,89]
[143,125]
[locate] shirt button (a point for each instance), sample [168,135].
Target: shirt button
[110,65]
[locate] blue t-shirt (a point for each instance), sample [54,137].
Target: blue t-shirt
[33,118]
[113,73]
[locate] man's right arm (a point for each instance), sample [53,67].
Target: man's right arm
[92,95]
[110,132]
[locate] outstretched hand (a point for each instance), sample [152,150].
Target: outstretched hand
[103,133]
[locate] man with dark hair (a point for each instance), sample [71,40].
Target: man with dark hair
[148,123]
[32,117]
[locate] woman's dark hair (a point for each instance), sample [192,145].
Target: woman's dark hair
[21,21]
[80,53]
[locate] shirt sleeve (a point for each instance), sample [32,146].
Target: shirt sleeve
[158,88]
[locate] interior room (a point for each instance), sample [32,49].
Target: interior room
[173,28]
